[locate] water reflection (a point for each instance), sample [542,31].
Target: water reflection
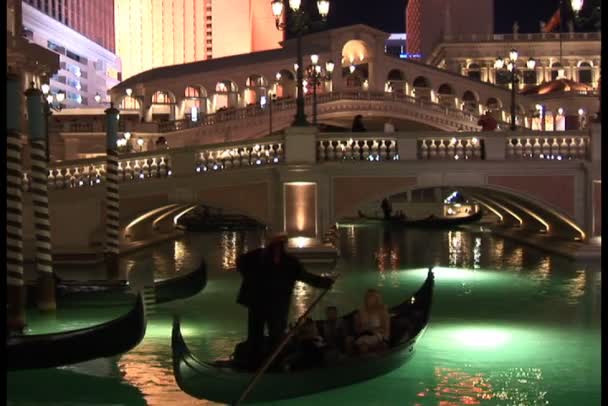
[515,386]
[387,260]
[477,253]
[229,246]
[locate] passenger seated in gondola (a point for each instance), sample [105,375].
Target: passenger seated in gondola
[372,324]
[307,351]
[334,332]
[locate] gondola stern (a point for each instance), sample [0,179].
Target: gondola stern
[178,350]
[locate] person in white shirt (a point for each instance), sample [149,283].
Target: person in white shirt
[389,127]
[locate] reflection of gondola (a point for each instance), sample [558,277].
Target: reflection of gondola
[219,382]
[60,386]
[70,347]
[112,293]
[428,222]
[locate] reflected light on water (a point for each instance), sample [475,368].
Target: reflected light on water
[229,250]
[477,253]
[454,247]
[351,240]
[575,288]
[180,253]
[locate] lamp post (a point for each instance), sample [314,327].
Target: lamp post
[299,23]
[511,66]
[316,74]
[271,98]
[49,106]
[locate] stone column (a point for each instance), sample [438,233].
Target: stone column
[14,209]
[40,200]
[112,248]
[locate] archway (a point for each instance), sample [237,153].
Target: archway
[355,64]
[422,88]
[163,106]
[285,84]
[256,86]
[446,96]
[226,95]
[470,102]
[195,102]
[396,82]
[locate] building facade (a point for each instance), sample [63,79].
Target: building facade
[86,68]
[93,19]
[428,21]
[172,32]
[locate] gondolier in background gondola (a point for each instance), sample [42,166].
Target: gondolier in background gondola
[387,209]
[269,275]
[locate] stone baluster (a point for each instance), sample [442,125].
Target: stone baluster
[162,167]
[450,150]
[154,168]
[441,153]
[546,148]
[518,149]
[536,148]
[563,148]
[554,148]
[423,150]
[432,150]
[528,149]
[145,168]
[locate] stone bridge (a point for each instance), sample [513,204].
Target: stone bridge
[304,181]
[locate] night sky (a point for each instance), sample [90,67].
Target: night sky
[389,15]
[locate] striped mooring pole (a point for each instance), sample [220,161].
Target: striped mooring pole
[40,199]
[112,196]
[14,208]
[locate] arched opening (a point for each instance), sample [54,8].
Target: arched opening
[494,106]
[445,95]
[556,67]
[129,103]
[285,84]
[585,73]
[195,102]
[503,77]
[163,106]
[530,77]
[226,95]
[469,102]
[355,60]
[422,88]
[256,86]
[474,71]
[396,83]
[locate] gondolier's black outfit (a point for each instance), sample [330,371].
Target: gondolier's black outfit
[266,291]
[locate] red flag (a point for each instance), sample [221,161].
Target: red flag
[553,22]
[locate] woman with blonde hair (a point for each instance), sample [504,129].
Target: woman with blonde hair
[372,324]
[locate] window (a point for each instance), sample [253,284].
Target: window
[208,18]
[59,78]
[555,68]
[76,57]
[161,97]
[27,34]
[112,73]
[209,49]
[474,72]
[55,47]
[530,77]
[75,70]
[584,73]
[73,83]
[208,26]
[192,92]
[210,41]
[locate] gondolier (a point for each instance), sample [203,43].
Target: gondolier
[269,275]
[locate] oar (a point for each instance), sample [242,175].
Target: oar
[276,352]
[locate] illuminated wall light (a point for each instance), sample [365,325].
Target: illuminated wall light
[532,214]
[510,212]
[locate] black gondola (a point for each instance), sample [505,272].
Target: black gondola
[428,222]
[69,347]
[112,293]
[220,381]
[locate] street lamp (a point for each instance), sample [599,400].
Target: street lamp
[316,74]
[49,106]
[511,65]
[299,23]
[140,142]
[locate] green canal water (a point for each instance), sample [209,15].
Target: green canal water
[510,325]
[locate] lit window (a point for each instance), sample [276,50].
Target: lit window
[192,92]
[161,97]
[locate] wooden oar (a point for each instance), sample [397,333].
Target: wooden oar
[276,352]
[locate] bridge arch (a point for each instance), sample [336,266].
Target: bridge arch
[446,95]
[163,105]
[226,95]
[396,82]
[422,88]
[194,99]
[536,211]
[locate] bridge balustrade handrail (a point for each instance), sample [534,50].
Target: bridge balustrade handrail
[522,37]
[566,145]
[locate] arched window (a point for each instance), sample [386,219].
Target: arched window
[192,92]
[474,71]
[161,97]
[129,103]
[469,101]
[584,73]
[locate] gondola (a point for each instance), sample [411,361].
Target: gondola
[220,381]
[428,222]
[118,293]
[69,347]
[435,222]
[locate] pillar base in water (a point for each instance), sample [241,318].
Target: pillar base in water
[112,269]
[46,293]
[15,314]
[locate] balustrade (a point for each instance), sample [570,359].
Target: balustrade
[236,156]
[92,172]
[567,147]
[360,148]
[451,148]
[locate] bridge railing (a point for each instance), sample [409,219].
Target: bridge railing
[266,151]
[290,104]
[91,172]
[330,147]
